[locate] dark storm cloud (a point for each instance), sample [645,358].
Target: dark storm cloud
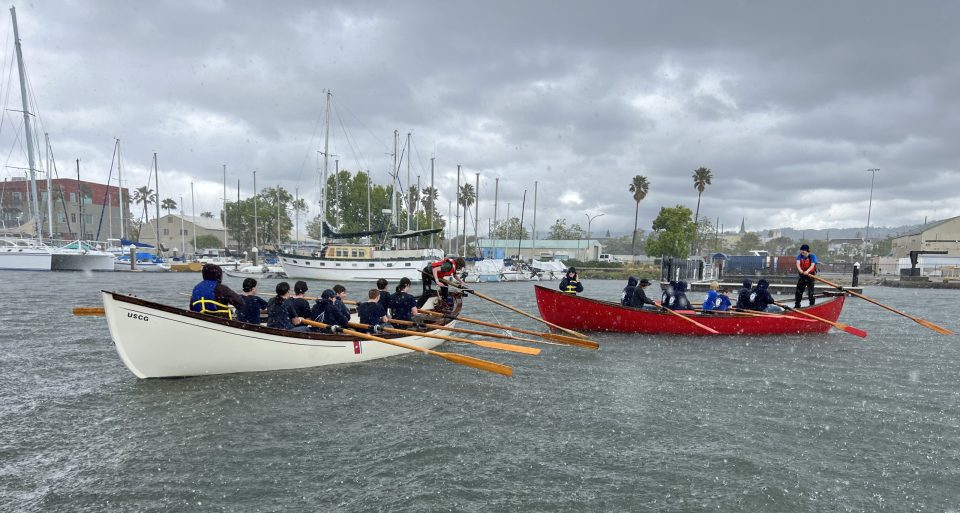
[788,103]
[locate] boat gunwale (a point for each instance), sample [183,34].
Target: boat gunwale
[258,328]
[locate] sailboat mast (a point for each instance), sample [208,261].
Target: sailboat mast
[183,244]
[193,215]
[409,196]
[46,137]
[256,235]
[28,132]
[156,202]
[394,219]
[496,201]
[431,200]
[120,190]
[225,247]
[79,196]
[323,184]
[534,250]
[476,214]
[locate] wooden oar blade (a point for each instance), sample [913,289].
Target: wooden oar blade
[573,341]
[939,329]
[476,363]
[88,311]
[513,348]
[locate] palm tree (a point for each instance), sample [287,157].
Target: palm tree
[414,199]
[146,196]
[207,214]
[701,179]
[168,205]
[639,188]
[466,197]
[428,197]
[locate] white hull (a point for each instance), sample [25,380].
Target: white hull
[264,272]
[22,257]
[297,266]
[156,341]
[72,260]
[150,267]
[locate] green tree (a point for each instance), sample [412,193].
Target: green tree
[271,203]
[779,246]
[466,197]
[701,179]
[207,214]
[558,231]
[621,245]
[168,205]
[147,197]
[882,247]
[639,187]
[510,229]
[673,231]
[208,242]
[747,243]
[429,198]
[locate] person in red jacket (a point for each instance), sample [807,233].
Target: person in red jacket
[446,269]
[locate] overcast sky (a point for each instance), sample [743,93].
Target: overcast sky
[788,103]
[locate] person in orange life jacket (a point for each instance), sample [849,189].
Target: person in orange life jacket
[441,269]
[212,290]
[403,306]
[371,312]
[253,304]
[297,302]
[280,312]
[570,283]
[679,299]
[324,310]
[761,300]
[806,266]
[626,298]
[640,299]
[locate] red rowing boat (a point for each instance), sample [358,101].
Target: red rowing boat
[586,314]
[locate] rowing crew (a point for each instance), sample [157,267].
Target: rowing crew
[286,311]
[674,297]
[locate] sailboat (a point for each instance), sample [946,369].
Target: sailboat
[339,262]
[34,255]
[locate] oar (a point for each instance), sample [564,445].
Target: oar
[465,330]
[469,361]
[482,343]
[519,311]
[839,325]
[761,314]
[684,317]
[927,324]
[88,310]
[553,337]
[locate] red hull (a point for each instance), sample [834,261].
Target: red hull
[585,314]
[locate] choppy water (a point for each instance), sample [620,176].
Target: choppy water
[817,423]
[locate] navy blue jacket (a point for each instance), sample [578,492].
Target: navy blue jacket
[384,300]
[371,313]
[743,298]
[301,306]
[401,306]
[327,312]
[252,305]
[626,298]
[761,298]
[280,315]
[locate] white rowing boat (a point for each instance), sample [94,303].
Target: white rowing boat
[157,341]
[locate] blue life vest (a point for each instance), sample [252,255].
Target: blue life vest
[203,290]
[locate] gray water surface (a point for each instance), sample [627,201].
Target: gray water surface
[788,424]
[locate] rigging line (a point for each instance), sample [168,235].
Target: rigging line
[309,152]
[350,142]
[387,147]
[106,192]
[6,98]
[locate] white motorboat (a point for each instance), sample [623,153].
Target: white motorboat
[156,341]
[81,256]
[495,270]
[24,255]
[551,270]
[260,272]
